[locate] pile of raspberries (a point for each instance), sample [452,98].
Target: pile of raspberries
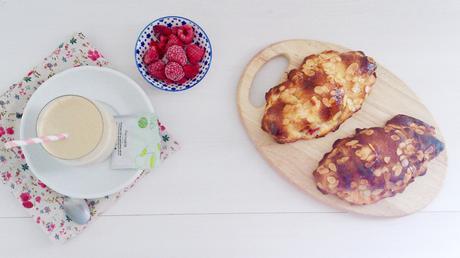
[173,58]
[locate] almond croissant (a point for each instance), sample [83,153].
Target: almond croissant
[378,162]
[318,96]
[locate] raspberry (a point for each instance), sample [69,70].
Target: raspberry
[173,40]
[156,45]
[191,71]
[151,55]
[182,81]
[162,43]
[174,30]
[194,53]
[185,33]
[161,30]
[177,54]
[174,71]
[157,70]
[168,81]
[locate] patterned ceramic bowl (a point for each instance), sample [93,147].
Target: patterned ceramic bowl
[200,39]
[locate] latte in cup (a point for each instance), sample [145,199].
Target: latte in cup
[90,126]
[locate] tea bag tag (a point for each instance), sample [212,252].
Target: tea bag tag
[138,144]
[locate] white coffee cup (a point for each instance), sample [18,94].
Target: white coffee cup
[89,124]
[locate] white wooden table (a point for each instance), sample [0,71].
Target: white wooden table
[217,197]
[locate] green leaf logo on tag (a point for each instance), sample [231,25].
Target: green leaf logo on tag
[143,122]
[143,153]
[152,161]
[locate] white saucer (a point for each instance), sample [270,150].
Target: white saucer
[105,85]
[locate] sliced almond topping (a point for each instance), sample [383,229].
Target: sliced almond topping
[402,145]
[420,155]
[310,72]
[387,159]
[410,149]
[351,143]
[316,102]
[352,68]
[322,170]
[371,157]
[320,89]
[319,185]
[332,167]
[411,169]
[400,133]
[363,152]
[407,177]
[331,179]
[333,183]
[378,172]
[369,132]
[394,137]
[325,102]
[350,103]
[405,163]
[419,131]
[337,115]
[342,160]
[372,147]
[429,150]
[397,169]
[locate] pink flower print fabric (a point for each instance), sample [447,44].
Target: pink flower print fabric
[41,202]
[93,55]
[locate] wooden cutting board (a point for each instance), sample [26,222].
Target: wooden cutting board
[296,161]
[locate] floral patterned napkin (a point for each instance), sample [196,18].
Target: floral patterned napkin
[42,203]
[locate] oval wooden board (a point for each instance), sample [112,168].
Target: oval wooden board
[296,161]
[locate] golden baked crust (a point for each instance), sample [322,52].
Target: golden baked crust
[318,96]
[378,162]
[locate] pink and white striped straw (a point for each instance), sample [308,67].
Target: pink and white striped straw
[42,139]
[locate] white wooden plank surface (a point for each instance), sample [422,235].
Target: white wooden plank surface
[423,235]
[218,171]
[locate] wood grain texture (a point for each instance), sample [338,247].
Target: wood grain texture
[296,161]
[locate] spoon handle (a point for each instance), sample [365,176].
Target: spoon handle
[77,210]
